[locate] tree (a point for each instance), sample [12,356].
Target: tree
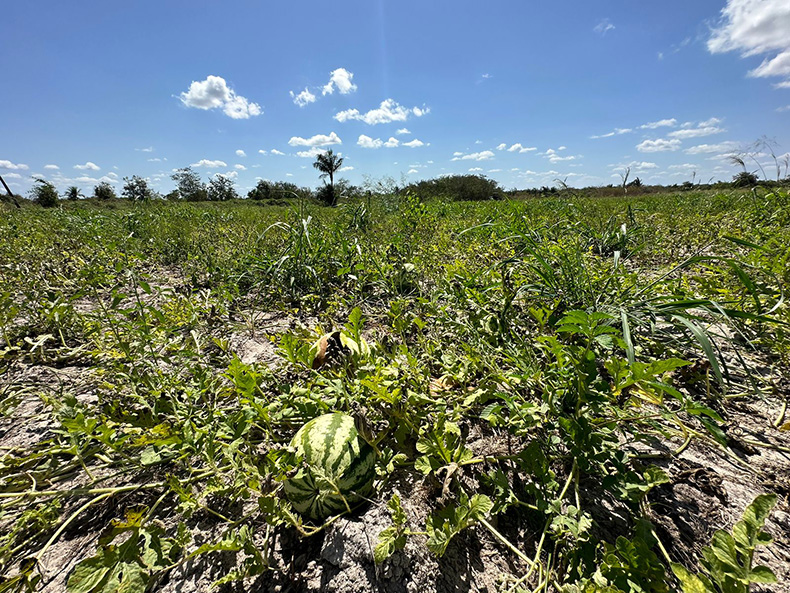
[190,187]
[104,191]
[136,189]
[220,189]
[44,193]
[73,193]
[744,179]
[329,163]
[261,191]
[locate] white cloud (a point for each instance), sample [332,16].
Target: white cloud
[89,165]
[310,154]
[414,143]
[13,166]
[484,155]
[54,167]
[696,132]
[779,109]
[214,93]
[18,176]
[148,149]
[662,123]
[403,131]
[340,79]
[346,168]
[602,27]
[209,164]
[304,98]
[636,166]
[755,27]
[261,151]
[155,160]
[277,152]
[660,145]
[240,167]
[721,147]
[519,148]
[388,111]
[610,134]
[368,142]
[412,172]
[475,169]
[317,140]
[502,146]
[240,152]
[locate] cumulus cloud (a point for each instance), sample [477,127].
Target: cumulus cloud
[13,166]
[660,145]
[484,155]
[756,27]
[636,166]
[208,164]
[310,154]
[88,166]
[403,131]
[277,152]
[240,167]
[603,27]
[368,142]
[412,171]
[147,149]
[519,148]
[240,152]
[721,147]
[388,111]
[414,143]
[317,140]
[53,167]
[339,79]
[346,168]
[214,93]
[304,98]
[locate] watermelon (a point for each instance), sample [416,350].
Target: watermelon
[337,468]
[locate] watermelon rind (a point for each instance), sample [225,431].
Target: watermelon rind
[337,467]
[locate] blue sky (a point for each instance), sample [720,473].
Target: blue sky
[524,92]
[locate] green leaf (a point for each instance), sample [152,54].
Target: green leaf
[762,574]
[689,582]
[88,574]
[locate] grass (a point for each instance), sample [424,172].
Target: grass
[581,331]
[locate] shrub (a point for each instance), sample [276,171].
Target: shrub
[220,189]
[189,185]
[744,179]
[44,193]
[459,187]
[104,191]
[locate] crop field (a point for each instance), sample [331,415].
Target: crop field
[560,393]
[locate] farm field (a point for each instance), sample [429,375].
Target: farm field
[563,393]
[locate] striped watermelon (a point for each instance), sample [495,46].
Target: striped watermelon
[337,469]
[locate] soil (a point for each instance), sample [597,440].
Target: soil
[708,491]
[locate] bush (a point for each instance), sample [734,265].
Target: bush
[44,193]
[459,187]
[72,193]
[744,179]
[104,191]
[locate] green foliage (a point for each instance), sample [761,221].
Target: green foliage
[189,185]
[745,179]
[450,521]
[221,188]
[727,562]
[104,191]
[328,163]
[459,187]
[72,193]
[136,189]
[392,538]
[44,193]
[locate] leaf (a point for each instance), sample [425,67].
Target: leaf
[88,574]
[762,574]
[704,342]
[689,582]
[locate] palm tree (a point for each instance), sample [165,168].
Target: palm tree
[329,163]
